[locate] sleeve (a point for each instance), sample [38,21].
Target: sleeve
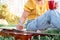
[29,6]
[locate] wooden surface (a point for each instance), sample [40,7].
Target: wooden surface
[18,35]
[23,35]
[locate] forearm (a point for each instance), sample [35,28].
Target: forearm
[24,16]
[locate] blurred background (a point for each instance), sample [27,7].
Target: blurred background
[11,11]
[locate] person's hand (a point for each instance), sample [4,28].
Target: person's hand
[56,5]
[19,27]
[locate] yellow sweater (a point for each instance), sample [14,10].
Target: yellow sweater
[35,9]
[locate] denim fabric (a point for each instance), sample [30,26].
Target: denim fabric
[28,22]
[48,20]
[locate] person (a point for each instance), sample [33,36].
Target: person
[50,19]
[32,9]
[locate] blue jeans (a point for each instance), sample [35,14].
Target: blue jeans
[50,19]
[28,22]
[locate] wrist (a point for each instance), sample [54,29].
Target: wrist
[20,24]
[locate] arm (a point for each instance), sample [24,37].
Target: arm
[27,9]
[24,16]
[22,20]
